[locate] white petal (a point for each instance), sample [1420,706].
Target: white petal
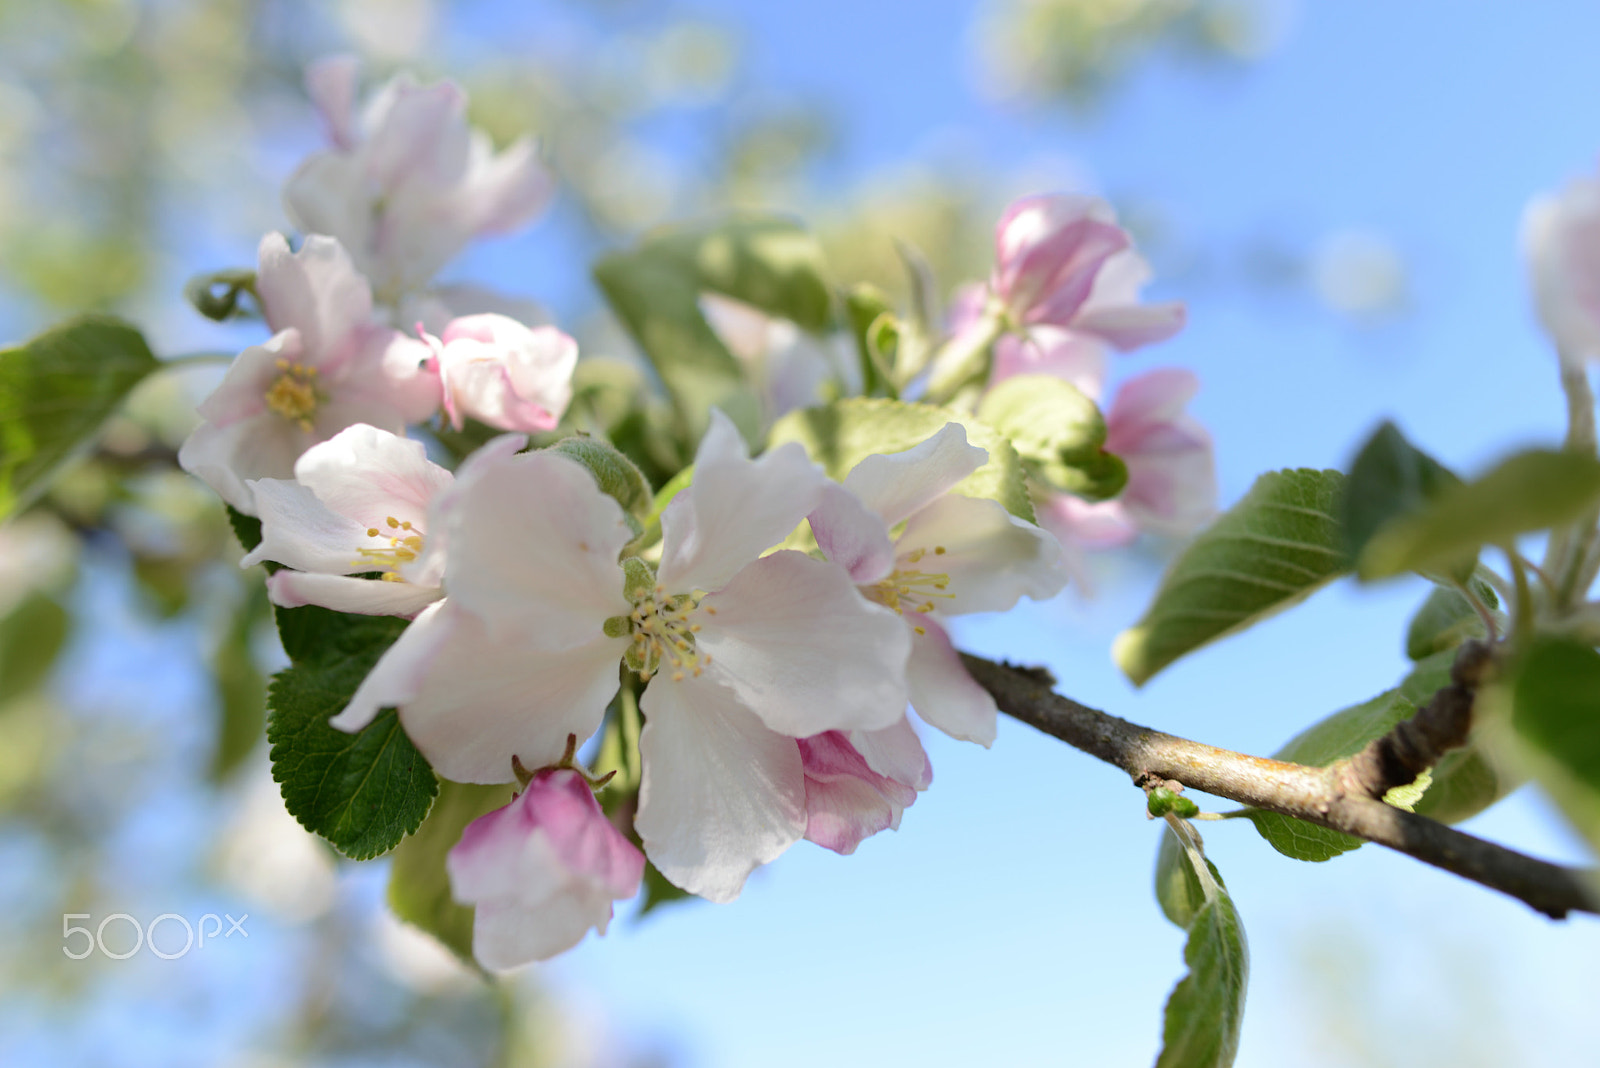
[510,934]
[533,547]
[944,694]
[483,701]
[242,393]
[896,752]
[302,532]
[734,510]
[852,535]
[317,290]
[721,794]
[328,194]
[331,84]
[342,593]
[399,671]
[803,649]
[897,484]
[226,457]
[991,557]
[370,475]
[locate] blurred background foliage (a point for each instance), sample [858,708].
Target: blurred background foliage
[142,142]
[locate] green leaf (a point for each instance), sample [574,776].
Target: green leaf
[363,792]
[658,891]
[247,528]
[1059,433]
[767,262]
[873,324]
[1447,618]
[419,887]
[1274,548]
[56,391]
[1178,889]
[240,689]
[1555,702]
[842,434]
[31,637]
[1390,478]
[1528,491]
[1206,1009]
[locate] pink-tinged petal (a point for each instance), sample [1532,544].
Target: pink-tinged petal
[331,84]
[989,556]
[942,692]
[302,532]
[506,937]
[721,794]
[394,679]
[422,136]
[328,194]
[846,801]
[533,549]
[1172,482]
[504,191]
[482,700]
[370,475]
[1058,297]
[315,290]
[1092,525]
[966,307]
[1152,398]
[853,537]
[896,753]
[895,485]
[227,457]
[501,373]
[242,393]
[1133,326]
[1561,242]
[343,593]
[735,509]
[741,327]
[404,378]
[792,638]
[1079,359]
[1030,220]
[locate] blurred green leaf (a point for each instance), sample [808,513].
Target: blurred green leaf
[1274,548]
[1389,479]
[55,393]
[873,325]
[768,262]
[658,891]
[1059,433]
[1528,491]
[1178,889]
[419,886]
[32,635]
[363,792]
[1555,697]
[1206,1009]
[240,687]
[1446,619]
[842,434]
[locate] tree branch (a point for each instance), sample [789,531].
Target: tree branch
[1317,795]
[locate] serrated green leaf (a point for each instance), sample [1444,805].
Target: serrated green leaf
[1059,433]
[1446,619]
[1391,478]
[1555,711]
[56,391]
[768,262]
[363,792]
[1528,491]
[1274,548]
[419,887]
[1206,1009]
[31,637]
[1178,889]
[842,434]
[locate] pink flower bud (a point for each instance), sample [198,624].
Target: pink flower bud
[1172,478]
[846,800]
[1561,239]
[503,374]
[541,871]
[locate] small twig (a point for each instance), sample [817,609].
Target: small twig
[1312,794]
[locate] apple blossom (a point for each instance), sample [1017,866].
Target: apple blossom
[846,799]
[742,653]
[327,366]
[1043,350]
[541,871]
[407,183]
[503,374]
[1561,240]
[955,555]
[789,368]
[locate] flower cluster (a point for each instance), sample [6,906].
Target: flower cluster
[771,624]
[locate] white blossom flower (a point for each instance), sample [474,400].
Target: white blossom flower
[743,653]
[788,367]
[955,555]
[327,366]
[407,183]
[1561,240]
[541,871]
[503,374]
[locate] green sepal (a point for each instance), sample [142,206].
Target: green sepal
[1059,433]
[617,476]
[216,295]
[842,434]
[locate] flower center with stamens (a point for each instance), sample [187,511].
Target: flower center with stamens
[911,590]
[294,394]
[662,631]
[404,544]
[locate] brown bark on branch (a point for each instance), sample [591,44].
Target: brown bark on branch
[1324,796]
